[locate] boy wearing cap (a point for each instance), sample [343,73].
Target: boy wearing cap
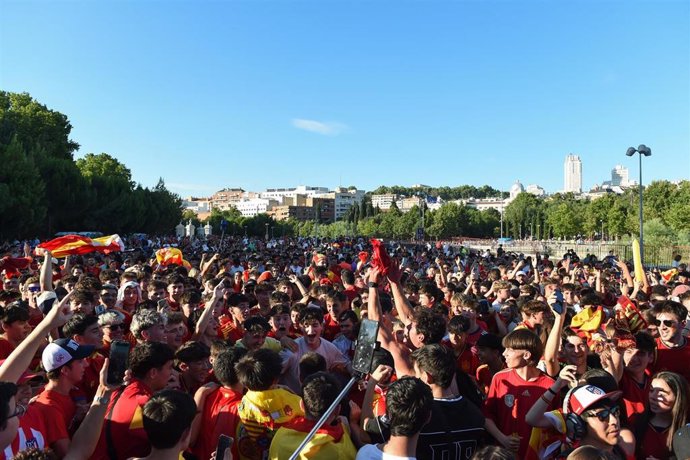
[85,330]
[63,361]
[589,417]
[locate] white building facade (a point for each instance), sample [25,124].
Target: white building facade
[572,174]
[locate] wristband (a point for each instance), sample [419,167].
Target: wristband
[371,284]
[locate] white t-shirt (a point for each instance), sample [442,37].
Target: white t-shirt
[372,452]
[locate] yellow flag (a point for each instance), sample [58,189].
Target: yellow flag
[637,261]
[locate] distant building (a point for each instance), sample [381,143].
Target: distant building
[197,205]
[516,189]
[280,193]
[254,206]
[226,198]
[619,177]
[405,204]
[343,199]
[301,213]
[383,201]
[535,190]
[572,174]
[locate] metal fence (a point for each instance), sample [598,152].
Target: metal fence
[657,256]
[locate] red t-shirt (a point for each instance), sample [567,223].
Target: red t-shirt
[229,330]
[510,398]
[653,442]
[32,433]
[92,370]
[635,397]
[5,348]
[218,416]
[127,425]
[330,328]
[465,361]
[57,411]
[672,359]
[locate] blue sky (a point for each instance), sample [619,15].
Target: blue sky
[260,93]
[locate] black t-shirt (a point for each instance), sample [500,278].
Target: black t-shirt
[454,432]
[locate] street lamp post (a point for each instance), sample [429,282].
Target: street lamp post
[646,151]
[266,231]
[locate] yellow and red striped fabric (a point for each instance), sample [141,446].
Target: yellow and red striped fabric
[76,244]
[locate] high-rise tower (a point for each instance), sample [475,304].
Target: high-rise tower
[573,174]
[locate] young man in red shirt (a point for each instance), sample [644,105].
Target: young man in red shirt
[673,351]
[15,328]
[85,330]
[218,406]
[64,363]
[515,390]
[231,325]
[465,360]
[123,434]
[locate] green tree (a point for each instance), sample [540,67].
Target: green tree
[22,195]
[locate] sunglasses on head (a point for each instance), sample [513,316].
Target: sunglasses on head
[603,415]
[666,322]
[116,327]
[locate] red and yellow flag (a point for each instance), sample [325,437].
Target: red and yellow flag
[76,244]
[168,256]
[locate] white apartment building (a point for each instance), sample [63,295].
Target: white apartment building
[572,174]
[383,201]
[291,192]
[254,206]
[344,199]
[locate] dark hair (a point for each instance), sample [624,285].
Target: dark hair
[235,299]
[192,296]
[348,315]
[192,351]
[13,312]
[256,324]
[35,454]
[258,369]
[645,342]
[458,324]
[408,406]
[167,415]
[174,279]
[280,309]
[311,363]
[431,325]
[318,393]
[7,391]
[78,324]
[438,361]
[674,308]
[224,365]
[347,276]
[311,314]
[147,356]
[278,297]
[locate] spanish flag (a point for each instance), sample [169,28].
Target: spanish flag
[330,442]
[76,244]
[168,256]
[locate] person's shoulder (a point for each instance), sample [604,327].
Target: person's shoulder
[504,374]
[369,452]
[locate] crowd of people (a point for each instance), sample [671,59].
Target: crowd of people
[489,355]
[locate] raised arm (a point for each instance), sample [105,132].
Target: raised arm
[553,342]
[536,416]
[46,275]
[402,305]
[20,358]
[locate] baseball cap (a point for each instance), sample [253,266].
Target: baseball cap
[62,351]
[586,396]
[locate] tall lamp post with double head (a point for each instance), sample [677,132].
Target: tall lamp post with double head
[646,151]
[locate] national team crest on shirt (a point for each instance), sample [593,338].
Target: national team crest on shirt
[509,400]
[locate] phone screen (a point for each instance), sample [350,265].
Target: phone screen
[366,345]
[224,443]
[119,360]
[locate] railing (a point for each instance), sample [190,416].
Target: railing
[657,256]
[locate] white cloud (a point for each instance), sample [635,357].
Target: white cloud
[326,128]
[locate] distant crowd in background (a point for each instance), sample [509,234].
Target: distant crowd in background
[236,347]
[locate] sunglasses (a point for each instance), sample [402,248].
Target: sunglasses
[666,322]
[115,327]
[603,415]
